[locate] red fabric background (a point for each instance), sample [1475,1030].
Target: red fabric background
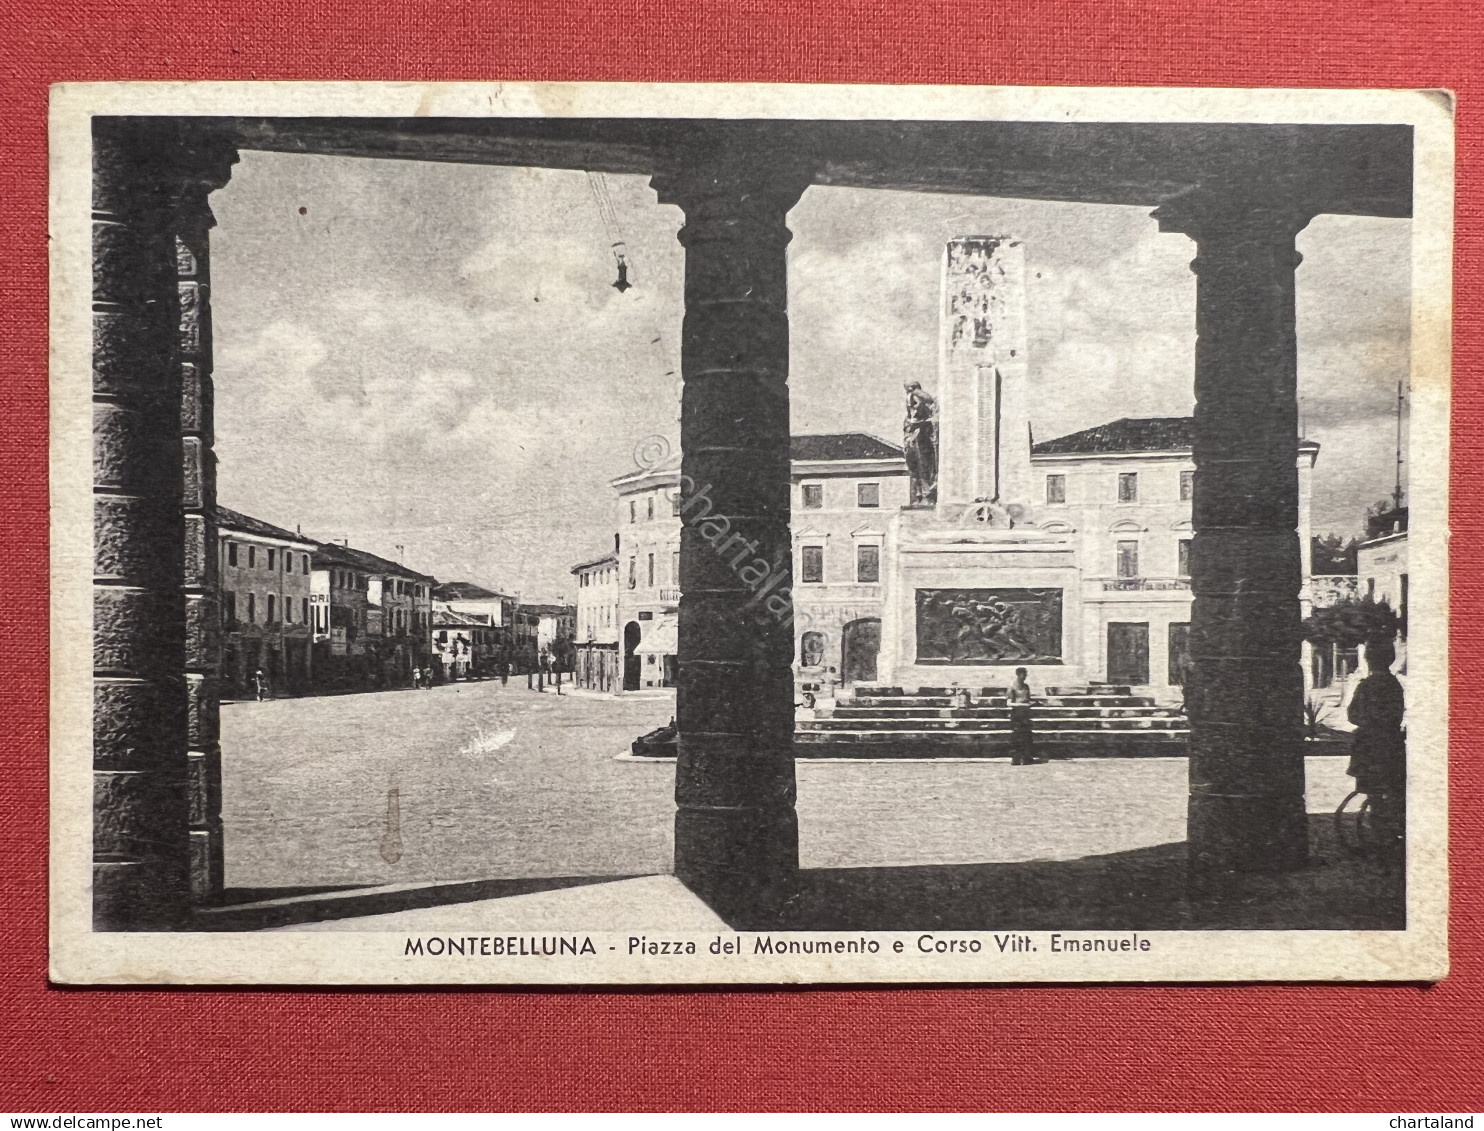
[1281,1047]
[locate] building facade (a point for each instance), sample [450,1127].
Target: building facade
[266,574]
[647,548]
[496,611]
[463,645]
[595,636]
[1381,570]
[377,617]
[555,627]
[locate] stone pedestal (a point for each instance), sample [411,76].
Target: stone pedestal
[983,433]
[736,835]
[964,572]
[1245,699]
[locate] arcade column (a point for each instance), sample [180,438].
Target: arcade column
[1246,807]
[736,835]
[156,764]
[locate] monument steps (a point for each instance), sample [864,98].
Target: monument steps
[1096,721]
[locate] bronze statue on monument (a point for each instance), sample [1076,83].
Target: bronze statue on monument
[920,442]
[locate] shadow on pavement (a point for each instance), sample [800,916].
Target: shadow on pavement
[259,909]
[1145,889]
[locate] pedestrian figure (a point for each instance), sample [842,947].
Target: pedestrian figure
[1378,753]
[260,685]
[1022,750]
[504,673]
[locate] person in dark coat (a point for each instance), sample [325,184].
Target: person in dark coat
[1378,753]
[1022,750]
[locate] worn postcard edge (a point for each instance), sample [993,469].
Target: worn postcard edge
[79,955]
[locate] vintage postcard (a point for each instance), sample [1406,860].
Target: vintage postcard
[604,533]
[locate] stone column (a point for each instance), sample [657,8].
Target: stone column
[1246,809]
[155,708]
[736,835]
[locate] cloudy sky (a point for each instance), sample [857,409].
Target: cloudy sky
[431,357]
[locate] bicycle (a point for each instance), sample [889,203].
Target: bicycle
[1355,829]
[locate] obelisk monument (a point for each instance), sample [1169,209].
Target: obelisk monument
[984,437]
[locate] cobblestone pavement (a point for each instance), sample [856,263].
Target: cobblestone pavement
[476,781]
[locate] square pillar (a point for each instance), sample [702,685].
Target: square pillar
[736,835]
[1245,702]
[154,541]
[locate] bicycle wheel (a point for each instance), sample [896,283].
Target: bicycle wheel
[1353,828]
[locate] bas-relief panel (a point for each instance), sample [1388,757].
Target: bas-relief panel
[989,626]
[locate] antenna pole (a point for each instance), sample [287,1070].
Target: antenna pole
[1400,403]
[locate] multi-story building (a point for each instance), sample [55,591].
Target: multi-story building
[492,645]
[463,644]
[1122,492]
[555,627]
[595,638]
[647,549]
[265,608]
[1381,568]
[378,618]
[845,486]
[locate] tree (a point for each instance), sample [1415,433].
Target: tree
[1351,622]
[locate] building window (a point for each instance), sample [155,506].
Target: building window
[304,609]
[675,568]
[868,563]
[1182,568]
[271,556]
[269,618]
[229,609]
[1128,486]
[868,494]
[231,553]
[633,512]
[1187,486]
[813,564]
[1128,559]
[252,557]
[288,610]
[252,606]
[675,503]
[813,496]
[1056,488]
[649,506]
[650,583]
[633,573]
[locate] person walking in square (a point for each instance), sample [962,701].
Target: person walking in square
[1022,740]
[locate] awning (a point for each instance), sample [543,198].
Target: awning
[661,641]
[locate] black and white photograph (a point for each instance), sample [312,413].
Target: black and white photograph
[705,534]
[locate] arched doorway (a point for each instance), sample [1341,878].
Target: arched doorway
[630,661]
[859,643]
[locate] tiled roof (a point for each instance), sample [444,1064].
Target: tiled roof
[331,553]
[464,591]
[1130,434]
[842,446]
[604,560]
[228,519]
[448,618]
[550,610]
[1134,434]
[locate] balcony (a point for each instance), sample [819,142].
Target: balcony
[670,596]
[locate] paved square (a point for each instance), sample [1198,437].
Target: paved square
[479,781]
